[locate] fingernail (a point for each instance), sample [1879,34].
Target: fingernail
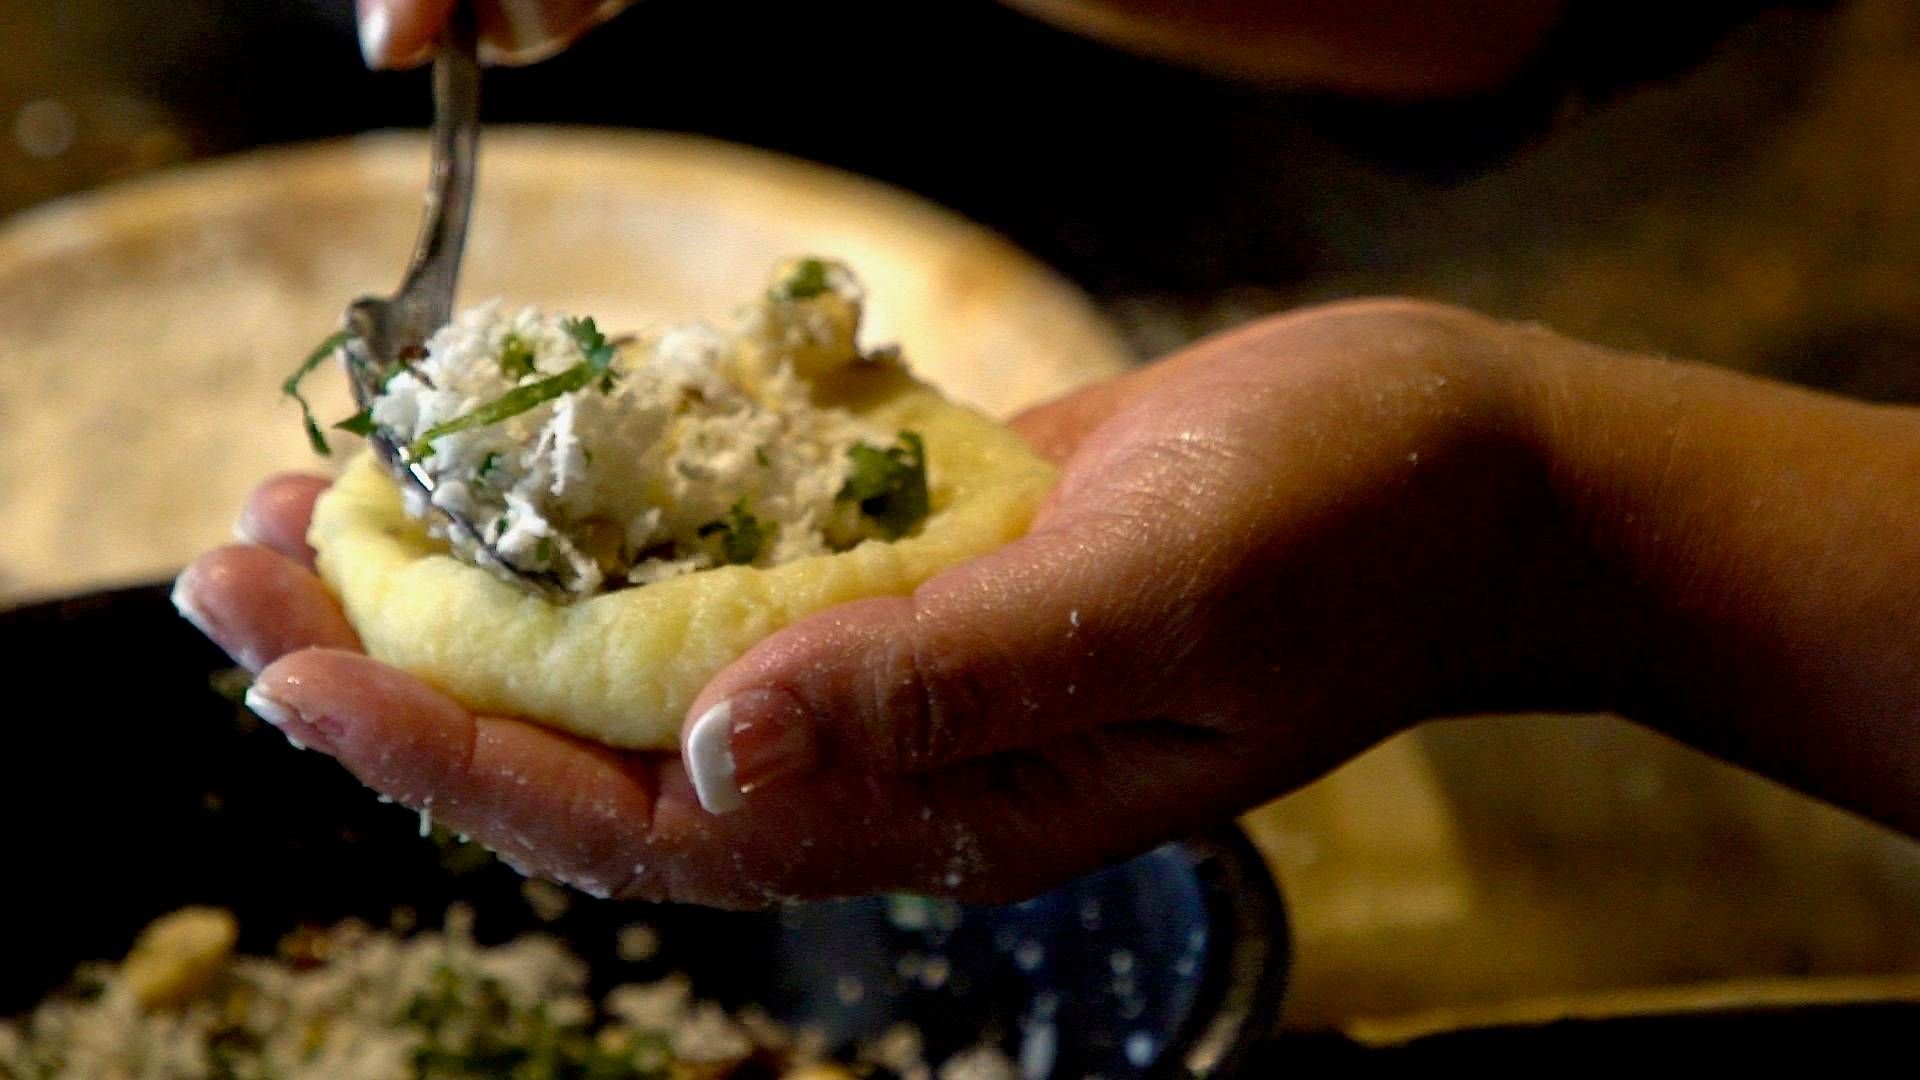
[302,734]
[188,605]
[376,27]
[709,756]
[246,529]
[745,743]
[187,602]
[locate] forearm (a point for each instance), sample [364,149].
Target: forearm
[1761,548]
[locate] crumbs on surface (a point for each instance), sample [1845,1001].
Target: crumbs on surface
[353,1002]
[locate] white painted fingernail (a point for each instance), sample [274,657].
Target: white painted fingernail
[187,604]
[709,754]
[376,26]
[183,602]
[273,713]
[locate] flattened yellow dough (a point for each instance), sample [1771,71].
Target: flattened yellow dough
[623,667]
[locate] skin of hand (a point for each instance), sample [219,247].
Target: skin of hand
[401,33]
[1390,49]
[1264,555]
[1377,48]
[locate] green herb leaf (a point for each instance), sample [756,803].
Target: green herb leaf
[360,423]
[593,344]
[596,348]
[599,361]
[516,358]
[291,388]
[742,536]
[508,405]
[760,455]
[891,484]
[806,280]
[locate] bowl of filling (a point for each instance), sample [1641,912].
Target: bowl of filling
[194,898]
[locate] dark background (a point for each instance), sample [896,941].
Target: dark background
[1733,183]
[1183,202]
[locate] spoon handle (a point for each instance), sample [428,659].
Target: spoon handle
[435,269]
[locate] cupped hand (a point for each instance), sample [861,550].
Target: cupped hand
[1263,555]
[401,33]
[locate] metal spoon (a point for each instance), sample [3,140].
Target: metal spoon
[385,333]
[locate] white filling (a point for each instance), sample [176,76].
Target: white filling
[646,475]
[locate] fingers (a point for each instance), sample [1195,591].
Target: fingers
[549,804]
[1037,640]
[402,33]
[998,828]
[1042,638]
[277,513]
[527,31]
[259,605]
[1055,429]
[1149,571]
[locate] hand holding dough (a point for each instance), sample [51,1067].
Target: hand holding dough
[756,421]
[1263,555]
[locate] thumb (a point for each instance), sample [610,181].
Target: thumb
[1042,638]
[1055,429]
[527,31]
[400,33]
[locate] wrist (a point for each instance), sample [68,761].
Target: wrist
[1549,616]
[1449,556]
[1755,548]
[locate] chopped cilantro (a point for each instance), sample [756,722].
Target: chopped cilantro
[891,484]
[597,365]
[742,536]
[760,455]
[360,423]
[593,344]
[516,358]
[291,388]
[487,465]
[543,551]
[806,280]
[468,1026]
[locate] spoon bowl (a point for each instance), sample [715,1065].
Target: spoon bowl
[385,335]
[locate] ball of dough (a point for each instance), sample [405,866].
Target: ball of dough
[623,667]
